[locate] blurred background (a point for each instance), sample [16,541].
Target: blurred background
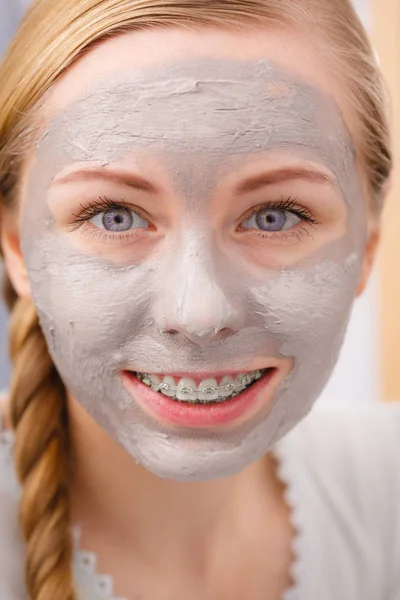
[368,369]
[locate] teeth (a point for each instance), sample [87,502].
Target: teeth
[245,379]
[207,391]
[155,381]
[227,386]
[186,390]
[167,386]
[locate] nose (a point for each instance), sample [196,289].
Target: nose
[194,303]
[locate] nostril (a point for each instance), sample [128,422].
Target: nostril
[206,337]
[223,334]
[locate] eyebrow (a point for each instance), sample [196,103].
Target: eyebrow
[250,184]
[284,174]
[135,181]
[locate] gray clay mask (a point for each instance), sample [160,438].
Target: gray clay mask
[161,314]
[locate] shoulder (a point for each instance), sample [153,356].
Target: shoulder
[359,446]
[11,545]
[7,473]
[347,463]
[344,419]
[374,428]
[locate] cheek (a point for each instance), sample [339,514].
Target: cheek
[292,248]
[91,302]
[307,305]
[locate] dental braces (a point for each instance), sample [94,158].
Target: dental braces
[231,387]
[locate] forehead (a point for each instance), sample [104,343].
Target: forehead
[213,108]
[291,49]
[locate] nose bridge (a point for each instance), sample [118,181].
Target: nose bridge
[195,302]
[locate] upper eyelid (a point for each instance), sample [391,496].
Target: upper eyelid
[97,208]
[104,203]
[290,203]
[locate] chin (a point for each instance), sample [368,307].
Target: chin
[203,456]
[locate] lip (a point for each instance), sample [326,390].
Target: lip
[230,412]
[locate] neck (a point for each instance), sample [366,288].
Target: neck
[112,494]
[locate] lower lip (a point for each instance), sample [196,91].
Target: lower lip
[196,415]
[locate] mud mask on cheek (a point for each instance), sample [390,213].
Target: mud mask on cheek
[162,314]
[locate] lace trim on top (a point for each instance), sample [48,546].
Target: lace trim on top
[286,473]
[98,586]
[85,568]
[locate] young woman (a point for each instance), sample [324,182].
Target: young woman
[191,194]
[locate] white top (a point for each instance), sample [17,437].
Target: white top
[341,468]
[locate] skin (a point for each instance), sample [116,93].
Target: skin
[195,288]
[129,516]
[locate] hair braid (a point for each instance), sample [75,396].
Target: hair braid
[39,417]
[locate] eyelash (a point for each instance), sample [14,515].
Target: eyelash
[104,204]
[94,208]
[289,204]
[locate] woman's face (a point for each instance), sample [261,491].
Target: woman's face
[193,210]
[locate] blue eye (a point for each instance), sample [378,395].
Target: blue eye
[118,219]
[272,219]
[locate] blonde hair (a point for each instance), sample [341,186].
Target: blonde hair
[52,36]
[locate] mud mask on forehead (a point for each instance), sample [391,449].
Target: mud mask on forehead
[196,117]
